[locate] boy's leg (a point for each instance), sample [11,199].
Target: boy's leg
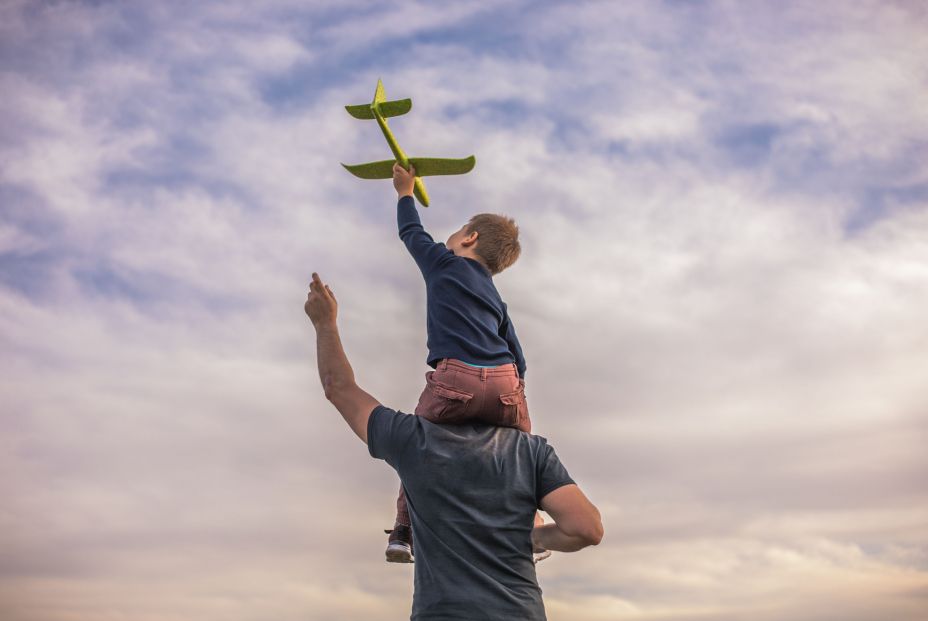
[432,404]
[399,544]
[440,401]
[402,511]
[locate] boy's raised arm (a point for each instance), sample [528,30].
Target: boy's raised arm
[424,250]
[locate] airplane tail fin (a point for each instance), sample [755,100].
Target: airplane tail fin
[387,109]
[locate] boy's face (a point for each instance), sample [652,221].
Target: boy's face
[460,240]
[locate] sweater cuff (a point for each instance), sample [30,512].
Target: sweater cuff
[407,199]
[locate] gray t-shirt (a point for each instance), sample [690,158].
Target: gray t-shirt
[472,492]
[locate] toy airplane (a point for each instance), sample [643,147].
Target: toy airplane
[380,109]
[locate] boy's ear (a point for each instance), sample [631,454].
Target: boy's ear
[470,240]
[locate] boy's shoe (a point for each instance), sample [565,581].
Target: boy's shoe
[399,545]
[537,557]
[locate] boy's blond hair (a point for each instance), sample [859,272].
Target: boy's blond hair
[497,240]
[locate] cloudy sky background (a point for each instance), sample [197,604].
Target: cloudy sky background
[722,297]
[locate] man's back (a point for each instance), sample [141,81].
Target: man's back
[472,492]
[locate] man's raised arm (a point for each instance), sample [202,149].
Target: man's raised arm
[335,371]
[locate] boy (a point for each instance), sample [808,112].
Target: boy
[479,368]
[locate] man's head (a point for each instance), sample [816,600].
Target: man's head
[490,238]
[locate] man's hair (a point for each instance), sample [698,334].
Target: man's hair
[497,240]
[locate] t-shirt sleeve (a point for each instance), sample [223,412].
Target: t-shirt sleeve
[550,473]
[428,254]
[389,433]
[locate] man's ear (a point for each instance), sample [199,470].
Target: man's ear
[470,240]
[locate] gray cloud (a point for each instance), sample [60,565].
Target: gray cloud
[720,299]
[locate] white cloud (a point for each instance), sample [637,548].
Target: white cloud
[734,377]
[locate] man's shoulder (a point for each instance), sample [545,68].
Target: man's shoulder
[535,442]
[384,415]
[508,442]
[387,432]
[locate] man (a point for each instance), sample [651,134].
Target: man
[472,492]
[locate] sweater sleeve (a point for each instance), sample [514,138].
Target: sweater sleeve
[508,332]
[424,250]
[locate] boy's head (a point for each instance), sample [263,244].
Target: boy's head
[493,239]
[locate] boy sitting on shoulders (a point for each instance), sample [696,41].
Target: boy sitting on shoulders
[479,367]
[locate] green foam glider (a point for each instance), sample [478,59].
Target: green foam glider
[380,109]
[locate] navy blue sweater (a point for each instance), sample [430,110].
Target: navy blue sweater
[466,318]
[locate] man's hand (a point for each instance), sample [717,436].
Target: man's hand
[320,305]
[404,180]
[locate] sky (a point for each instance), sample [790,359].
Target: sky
[721,297]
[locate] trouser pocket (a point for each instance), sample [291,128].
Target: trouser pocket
[440,402]
[512,408]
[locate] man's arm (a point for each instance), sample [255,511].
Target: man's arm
[577,522]
[335,371]
[424,250]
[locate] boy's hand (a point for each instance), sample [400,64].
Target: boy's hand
[320,305]
[404,180]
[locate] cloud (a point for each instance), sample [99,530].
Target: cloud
[720,298]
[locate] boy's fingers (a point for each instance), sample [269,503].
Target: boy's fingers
[329,290]
[397,168]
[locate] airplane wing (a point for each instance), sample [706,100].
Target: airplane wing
[429,166]
[372,170]
[425,167]
[387,109]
